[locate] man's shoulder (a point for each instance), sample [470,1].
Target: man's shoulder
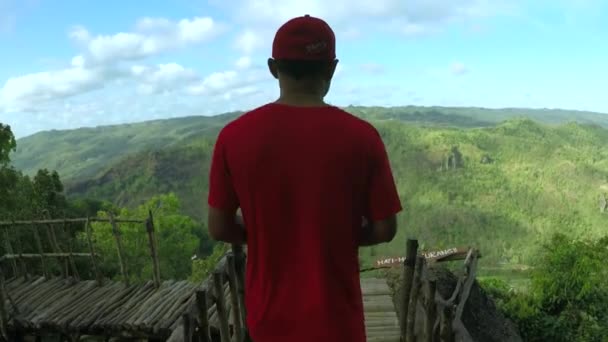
[352,122]
[242,121]
[362,126]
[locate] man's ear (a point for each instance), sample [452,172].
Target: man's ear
[332,69]
[272,67]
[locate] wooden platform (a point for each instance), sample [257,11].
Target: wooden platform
[60,305]
[381,322]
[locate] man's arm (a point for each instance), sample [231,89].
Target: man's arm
[378,232]
[226,226]
[383,200]
[222,221]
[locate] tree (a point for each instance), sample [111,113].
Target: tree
[8,176]
[175,233]
[7,144]
[48,193]
[568,298]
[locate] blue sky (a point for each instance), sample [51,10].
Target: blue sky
[68,63]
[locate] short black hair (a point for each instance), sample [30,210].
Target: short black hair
[299,69]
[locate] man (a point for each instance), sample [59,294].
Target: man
[305,175]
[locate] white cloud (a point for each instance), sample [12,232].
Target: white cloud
[163,78]
[100,63]
[243,62]
[227,81]
[425,13]
[152,36]
[249,40]
[347,17]
[458,68]
[29,91]
[213,83]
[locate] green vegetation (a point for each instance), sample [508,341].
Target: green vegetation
[83,153]
[178,238]
[511,187]
[466,177]
[201,268]
[42,196]
[568,296]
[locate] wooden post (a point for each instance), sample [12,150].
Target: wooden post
[431,312]
[98,276]
[67,236]
[220,303]
[470,269]
[239,266]
[121,253]
[187,328]
[9,250]
[50,235]
[411,315]
[446,333]
[153,249]
[20,253]
[411,249]
[234,298]
[3,309]
[45,271]
[203,328]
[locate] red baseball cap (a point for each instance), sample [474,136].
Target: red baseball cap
[305,38]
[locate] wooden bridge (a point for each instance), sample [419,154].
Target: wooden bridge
[70,307]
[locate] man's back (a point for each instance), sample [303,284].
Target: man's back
[304,178]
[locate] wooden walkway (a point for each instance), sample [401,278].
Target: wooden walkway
[62,305]
[381,322]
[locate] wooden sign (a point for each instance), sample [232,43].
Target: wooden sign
[448,254]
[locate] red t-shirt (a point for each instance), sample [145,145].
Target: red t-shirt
[303,178]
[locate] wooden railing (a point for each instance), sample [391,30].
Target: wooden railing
[16,257]
[212,309]
[442,318]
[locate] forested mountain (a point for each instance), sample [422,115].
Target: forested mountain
[503,187]
[466,177]
[83,153]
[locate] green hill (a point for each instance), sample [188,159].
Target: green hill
[83,153]
[503,188]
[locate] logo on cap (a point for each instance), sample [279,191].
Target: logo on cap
[317,47]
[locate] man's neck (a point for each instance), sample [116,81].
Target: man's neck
[301,99]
